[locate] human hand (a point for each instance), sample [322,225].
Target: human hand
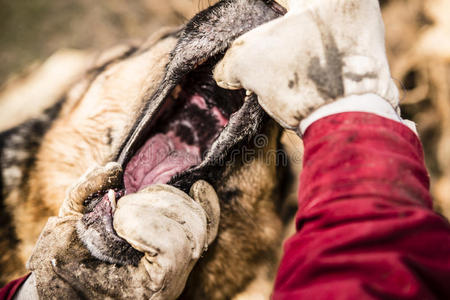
[170,228]
[320,51]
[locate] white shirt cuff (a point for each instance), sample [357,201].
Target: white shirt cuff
[370,103]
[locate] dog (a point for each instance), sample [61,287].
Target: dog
[157,92]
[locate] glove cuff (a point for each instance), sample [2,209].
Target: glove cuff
[370,103]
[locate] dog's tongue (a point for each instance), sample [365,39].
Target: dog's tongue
[181,135]
[162,156]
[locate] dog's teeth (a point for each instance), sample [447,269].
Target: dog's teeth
[248,94]
[112,199]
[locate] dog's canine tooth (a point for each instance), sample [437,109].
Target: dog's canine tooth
[176,92]
[112,199]
[248,95]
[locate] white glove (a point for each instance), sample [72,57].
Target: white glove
[320,51]
[171,229]
[168,226]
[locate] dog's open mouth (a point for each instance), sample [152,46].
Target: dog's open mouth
[191,119]
[188,126]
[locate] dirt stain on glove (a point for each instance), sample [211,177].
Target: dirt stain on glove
[328,78]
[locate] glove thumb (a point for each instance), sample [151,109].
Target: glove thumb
[203,193]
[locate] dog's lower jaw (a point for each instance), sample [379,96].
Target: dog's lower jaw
[96,232]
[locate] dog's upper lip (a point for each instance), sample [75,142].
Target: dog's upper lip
[202,38]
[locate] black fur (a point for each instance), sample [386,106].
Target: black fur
[19,145]
[18,148]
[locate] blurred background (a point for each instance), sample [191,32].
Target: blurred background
[417,40]
[32,30]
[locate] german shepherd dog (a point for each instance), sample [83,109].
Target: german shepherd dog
[159,93]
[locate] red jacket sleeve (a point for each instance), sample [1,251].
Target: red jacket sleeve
[365,225]
[9,291]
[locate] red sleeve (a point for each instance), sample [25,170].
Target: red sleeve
[365,226]
[8,291]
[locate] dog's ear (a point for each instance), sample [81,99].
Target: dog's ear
[18,148]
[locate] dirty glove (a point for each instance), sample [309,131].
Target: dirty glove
[319,52]
[177,231]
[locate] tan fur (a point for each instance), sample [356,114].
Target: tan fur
[27,95]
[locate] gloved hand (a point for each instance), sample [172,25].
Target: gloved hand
[320,51]
[169,227]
